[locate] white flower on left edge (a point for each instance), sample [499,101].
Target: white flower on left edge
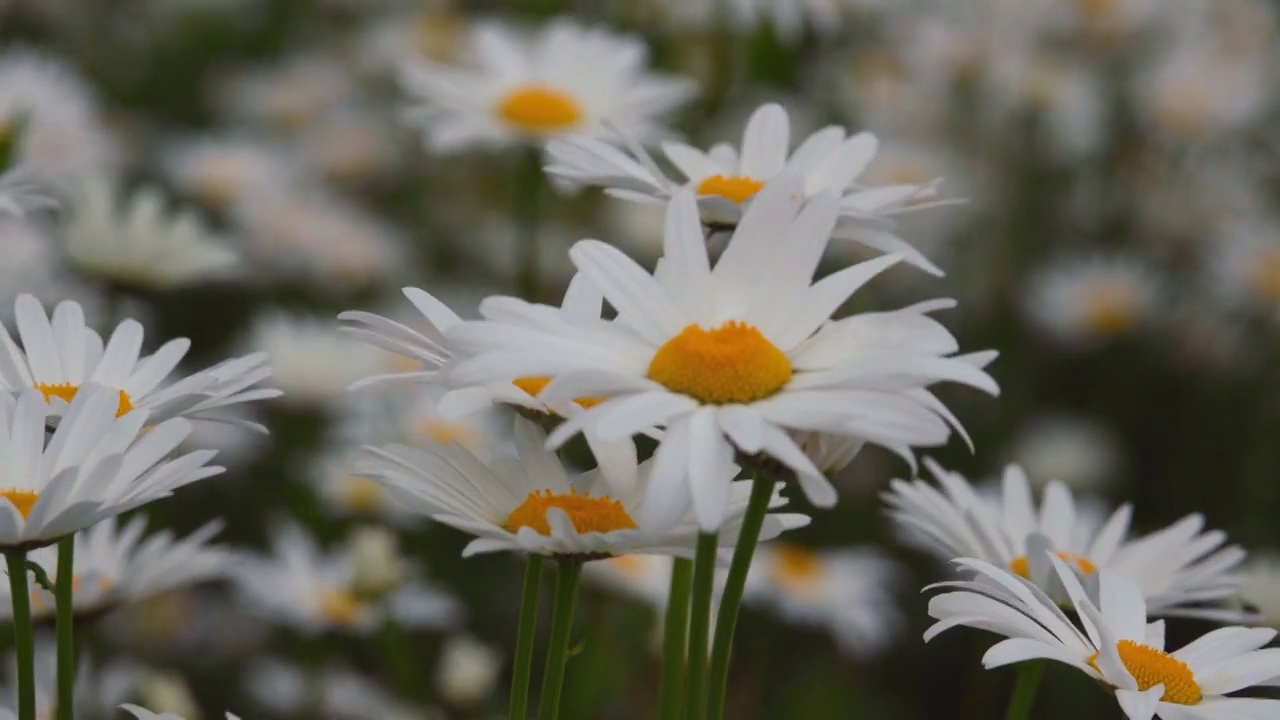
[1113,643]
[1178,569]
[117,565]
[94,466]
[57,356]
[730,357]
[531,504]
[20,193]
[132,240]
[145,714]
[562,78]
[727,179]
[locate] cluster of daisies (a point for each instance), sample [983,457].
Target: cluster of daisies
[719,377]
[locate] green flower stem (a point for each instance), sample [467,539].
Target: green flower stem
[675,640]
[568,572]
[66,628]
[735,584]
[23,634]
[1024,692]
[525,217]
[704,573]
[525,634]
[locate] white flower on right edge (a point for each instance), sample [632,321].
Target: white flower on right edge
[1113,643]
[731,357]
[727,179]
[1180,570]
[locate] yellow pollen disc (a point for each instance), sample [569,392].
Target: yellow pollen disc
[795,567]
[1264,275]
[535,384]
[588,514]
[1110,308]
[23,500]
[361,495]
[67,392]
[1151,667]
[736,188]
[734,363]
[341,607]
[538,108]
[1022,566]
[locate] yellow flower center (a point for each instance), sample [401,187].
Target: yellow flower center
[444,433]
[1264,275]
[1185,109]
[67,392]
[1022,566]
[734,363]
[361,495]
[540,109]
[23,500]
[588,514]
[535,384]
[341,607]
[737,188]
[796,568]
[1110,308]
[1151,667]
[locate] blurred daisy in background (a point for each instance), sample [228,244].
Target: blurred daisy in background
[467,672]
[131,241]
[289,95]
[21,193]
[529,87]
[62,139]
[33,266]
[410,35]
[222,172]
[1260,586]
[351,148]
[1113,643]
[330,691]
[726,179]
[849,592]
[1081,302]
[312,364]
[300,586]
[99,688]
[531,504]
[1076,450]
[644,578]
[115,565]
[142,713]
[1180,570]
[1245,267]
[310,235]
[59,354]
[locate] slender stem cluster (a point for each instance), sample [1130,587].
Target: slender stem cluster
[568,573]
[23,633]
[64,592]
[525,634]
[675,640]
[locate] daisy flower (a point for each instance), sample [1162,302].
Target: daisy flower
[21,193]
[1077,450]
[561,79]
[290,95]
[532,505]
[145,714]
[95,465]
[1086,301]
[1178,569]
[311,362]
[1260,587]
[132,241]
[115,565]
[312,591]
[99,688]
[222,173]
[59,354]
[727,179]
[63,138]
[1246,267]
[646,578]
[1113,643]
[729,358]
[848,592]
[332,691]
[467,671]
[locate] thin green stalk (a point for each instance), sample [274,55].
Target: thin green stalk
[66,627]
[735,583]
[675,640]
[525,633]
[23,634]
[525,217]
[568,572]
[704,573]
[1024,692]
